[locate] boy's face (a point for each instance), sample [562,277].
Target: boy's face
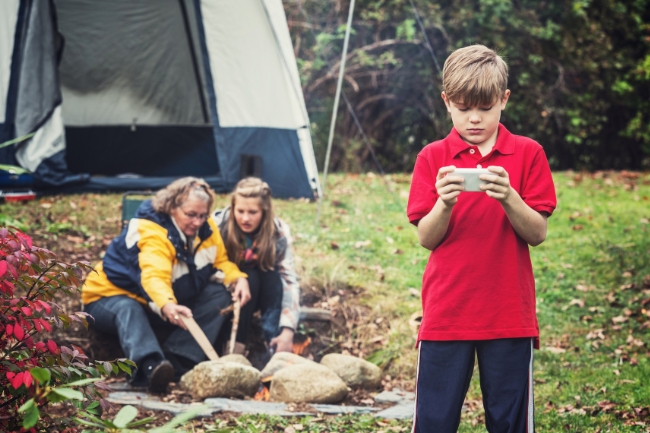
[477,125]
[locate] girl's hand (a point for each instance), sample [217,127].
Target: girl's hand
[449,187]
[284,341]
[173,312]
[242,292]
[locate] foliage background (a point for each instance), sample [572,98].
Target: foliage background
[579,75]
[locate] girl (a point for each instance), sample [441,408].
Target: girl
[260,244]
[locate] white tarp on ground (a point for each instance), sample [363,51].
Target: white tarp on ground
[8,18]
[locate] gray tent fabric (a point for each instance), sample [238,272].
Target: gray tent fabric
[39,98]
[140,92]
[38,89]
[128,62]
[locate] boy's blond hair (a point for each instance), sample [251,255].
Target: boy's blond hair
[475,75]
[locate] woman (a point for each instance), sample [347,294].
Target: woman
[159,269]
[260,245]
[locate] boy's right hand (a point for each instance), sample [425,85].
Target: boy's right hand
[449,187]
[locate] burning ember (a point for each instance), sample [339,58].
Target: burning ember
[302,349]
[262,394]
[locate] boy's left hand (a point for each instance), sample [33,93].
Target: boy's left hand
[498,184]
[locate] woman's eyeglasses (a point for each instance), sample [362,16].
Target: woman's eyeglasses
[194,216]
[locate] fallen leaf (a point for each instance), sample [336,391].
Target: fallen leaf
[567,265]
[578,227]
[334,300]
[73,205]
[361,244]
[334,245]
[389,240]
[606,406]
[619,319]
[616,372]
[582,288]
[555,350]
[596,333]
[377,339]
[415,320]
[414,292]
[75,239]
[575,215]
[46,205]
[579,302]
[397,251]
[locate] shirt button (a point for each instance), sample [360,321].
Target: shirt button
[472,151]
[479,166]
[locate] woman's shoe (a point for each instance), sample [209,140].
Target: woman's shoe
[160,375]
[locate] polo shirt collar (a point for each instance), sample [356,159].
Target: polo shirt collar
[505,144]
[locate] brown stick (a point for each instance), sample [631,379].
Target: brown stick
[235,325]
[200,337]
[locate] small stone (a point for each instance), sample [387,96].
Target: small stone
[282,360]
[356,372]
[236,358]
[400,411]
[307,383]
[387,397]
[223,379]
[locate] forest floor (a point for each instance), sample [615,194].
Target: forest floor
[363,261]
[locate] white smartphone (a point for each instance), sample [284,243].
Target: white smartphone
[471,175]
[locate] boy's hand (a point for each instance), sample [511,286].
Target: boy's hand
[449,187]
[498,184]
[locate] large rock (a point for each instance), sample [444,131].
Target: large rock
[186,379]
[222,379]
[307,383]
[355,372]
[236,358]
[282,360]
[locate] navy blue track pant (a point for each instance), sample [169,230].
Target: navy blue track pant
[444,372]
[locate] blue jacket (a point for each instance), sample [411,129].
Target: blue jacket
[151,262]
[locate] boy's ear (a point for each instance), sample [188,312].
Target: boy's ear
[504,100]
[444,98]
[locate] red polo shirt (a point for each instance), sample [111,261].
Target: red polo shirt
[478,283]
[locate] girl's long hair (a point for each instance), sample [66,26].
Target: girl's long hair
[252,187]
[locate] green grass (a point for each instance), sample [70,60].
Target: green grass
[592,274]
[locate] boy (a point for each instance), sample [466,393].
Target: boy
[478,290]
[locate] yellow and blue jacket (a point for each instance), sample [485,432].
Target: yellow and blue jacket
[151,263]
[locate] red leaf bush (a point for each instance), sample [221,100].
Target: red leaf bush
[33,372]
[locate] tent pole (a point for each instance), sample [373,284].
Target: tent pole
[339,84]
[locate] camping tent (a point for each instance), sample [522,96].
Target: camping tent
[129,94]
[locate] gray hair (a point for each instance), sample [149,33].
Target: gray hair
[177,193]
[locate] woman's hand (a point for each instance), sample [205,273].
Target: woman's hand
[242,292]
[173,312]
[284,341]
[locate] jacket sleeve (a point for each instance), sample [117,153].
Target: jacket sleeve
[156,258]
[290,285]
[231,271]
